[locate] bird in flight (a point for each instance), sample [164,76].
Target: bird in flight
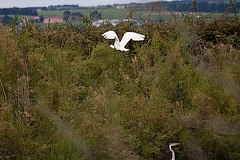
[120,45]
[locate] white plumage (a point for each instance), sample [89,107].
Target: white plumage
[125,39]
[170,147]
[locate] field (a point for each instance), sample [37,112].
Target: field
[159,14]
[106,13]
[121,14]
[65,94]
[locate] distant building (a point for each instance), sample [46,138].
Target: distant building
[53,19]
[115,22]
[36,18]
[120,7]
[97,23]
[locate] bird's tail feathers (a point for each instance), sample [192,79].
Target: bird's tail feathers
[124,49]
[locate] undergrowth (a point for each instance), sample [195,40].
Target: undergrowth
[65,94]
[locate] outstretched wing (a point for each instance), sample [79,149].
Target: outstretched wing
[131,35]
[110,35]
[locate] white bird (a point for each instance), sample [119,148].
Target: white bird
[170,147]
[125,39]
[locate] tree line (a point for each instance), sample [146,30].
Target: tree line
[75,15]
[203,6]
[186,5]
[19,11]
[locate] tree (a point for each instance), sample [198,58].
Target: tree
[76,15]
[41,19]
[6,20]
[66,15]
[97,15]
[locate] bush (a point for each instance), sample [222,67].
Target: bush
[67,95]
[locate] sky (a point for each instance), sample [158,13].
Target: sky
[45,3]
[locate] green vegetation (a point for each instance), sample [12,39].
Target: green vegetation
[106,13]
[65,94]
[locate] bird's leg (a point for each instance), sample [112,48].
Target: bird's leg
[123,54]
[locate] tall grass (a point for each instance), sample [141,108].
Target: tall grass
[67,95]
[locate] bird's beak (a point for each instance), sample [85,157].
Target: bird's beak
[174,144]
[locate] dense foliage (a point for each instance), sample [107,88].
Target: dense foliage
[18,11]
[203,6]
[65,94]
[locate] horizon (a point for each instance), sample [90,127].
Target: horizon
[47,3]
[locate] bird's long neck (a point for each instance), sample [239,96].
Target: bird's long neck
[173,154]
